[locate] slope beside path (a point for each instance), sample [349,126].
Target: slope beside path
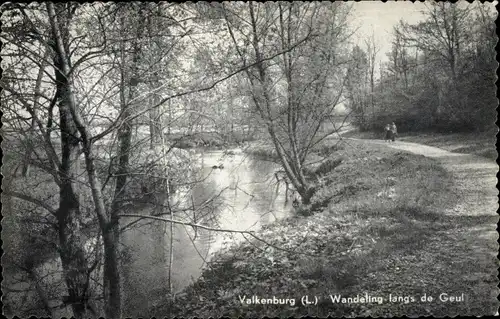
[474,184]
[471,244]
[475,176]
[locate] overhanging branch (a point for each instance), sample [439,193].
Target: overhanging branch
[121,119]
[30,199]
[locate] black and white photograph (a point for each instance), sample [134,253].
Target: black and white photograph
[249,159]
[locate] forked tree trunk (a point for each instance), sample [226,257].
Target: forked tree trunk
[72,252]
[289,160]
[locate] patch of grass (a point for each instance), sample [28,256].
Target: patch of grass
[209,139]
[262,151]
[364,134]
[329,147]
[327,166]
[199,139]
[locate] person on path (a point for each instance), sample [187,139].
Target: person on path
[388,133]
[394,131]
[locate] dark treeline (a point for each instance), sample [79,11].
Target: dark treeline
[440,75]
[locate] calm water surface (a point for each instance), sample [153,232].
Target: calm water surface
[247,198]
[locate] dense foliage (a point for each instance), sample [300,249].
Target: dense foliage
[440,76]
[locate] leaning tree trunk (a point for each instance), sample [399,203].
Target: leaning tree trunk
[112,232]
[72,252]
[73,132]
[289,160]
[74,262]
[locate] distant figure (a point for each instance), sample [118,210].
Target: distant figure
[388,133]
[394,131]
[295,202]
[221,166]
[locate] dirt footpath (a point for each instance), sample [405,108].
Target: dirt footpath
[471,243]
[475,177]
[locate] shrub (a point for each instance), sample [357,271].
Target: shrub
[263,152]
[328,150]
[328,166]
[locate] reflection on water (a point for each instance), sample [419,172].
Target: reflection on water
[246,198]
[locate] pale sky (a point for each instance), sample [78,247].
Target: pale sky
[380,18]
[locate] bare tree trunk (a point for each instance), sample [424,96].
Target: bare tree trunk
[169,116]
[112,232]
[72,253]
[171,255]
[152,129]
[155,121]
[290,162]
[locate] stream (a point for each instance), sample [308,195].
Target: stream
[246,198]
[243,195]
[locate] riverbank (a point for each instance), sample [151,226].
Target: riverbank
[382,234]
[210,140]
[480,144]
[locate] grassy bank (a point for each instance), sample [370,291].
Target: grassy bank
[481,144]
[383,232]
[209,139]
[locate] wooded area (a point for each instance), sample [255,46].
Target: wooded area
[101,100]
[87,88]
[440,76]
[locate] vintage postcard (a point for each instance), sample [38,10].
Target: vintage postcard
[249,159]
